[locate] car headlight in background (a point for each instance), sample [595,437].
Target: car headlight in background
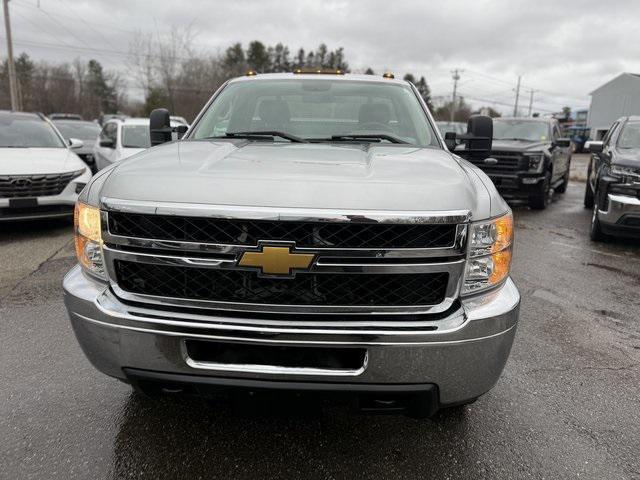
[626,174]
[536,161]
[489,258]
[88,239]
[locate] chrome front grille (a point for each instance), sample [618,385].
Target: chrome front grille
[375,262]
[16,186]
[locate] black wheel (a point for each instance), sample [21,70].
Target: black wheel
[596,232]
[588,192]
[565,180]
[541,199]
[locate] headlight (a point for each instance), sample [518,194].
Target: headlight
[88,239]
[626,174]
[489,259]
[536,161]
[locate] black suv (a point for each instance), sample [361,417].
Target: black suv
[529,158]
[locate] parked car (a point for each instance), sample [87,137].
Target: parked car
[310,232]
[613,181]
[459,128]
[529,160]
[87,132]
[40,176]
[121,138]
[579,135]
[65,116]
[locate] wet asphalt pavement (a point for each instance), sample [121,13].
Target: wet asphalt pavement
[567,405]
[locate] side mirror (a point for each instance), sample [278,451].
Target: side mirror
[159,126]
[562,142]
[450,140]
[479,137]
[595,147]
[107,143]
[181,130]
[74,143]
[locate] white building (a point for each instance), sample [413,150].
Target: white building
[617,98]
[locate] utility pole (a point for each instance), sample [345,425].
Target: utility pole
[515,106]
[455,74]
[13,83]
[530,102]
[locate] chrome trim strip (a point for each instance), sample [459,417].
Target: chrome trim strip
[285,213]
[283,309]
[293,342]
[274,369]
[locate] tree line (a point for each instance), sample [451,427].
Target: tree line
[170,72]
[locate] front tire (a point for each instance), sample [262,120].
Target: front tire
[595,233]
[588,191]
[565,180]
[541,199]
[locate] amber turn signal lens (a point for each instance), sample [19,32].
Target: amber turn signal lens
[501,266]
[87,222]
[504,233]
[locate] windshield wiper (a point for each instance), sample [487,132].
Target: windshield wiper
[266,133]
[516,139]
[369,136]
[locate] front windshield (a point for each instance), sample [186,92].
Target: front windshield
[318,109]
[76,129]
[135,136]
[526,130]
[630,136]
[22,131]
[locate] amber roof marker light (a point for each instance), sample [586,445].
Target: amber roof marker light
[318,71]
[388,75]
[251,73]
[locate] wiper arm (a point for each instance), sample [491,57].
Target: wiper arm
[516,139]
[369,136]
[266,133]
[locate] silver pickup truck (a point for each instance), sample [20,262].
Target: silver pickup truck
[309,232]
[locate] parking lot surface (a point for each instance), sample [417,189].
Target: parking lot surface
[567,405]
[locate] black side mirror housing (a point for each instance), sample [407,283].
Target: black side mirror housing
[159,126]
[595,147]
[450,140]
[181,130]
[562,142]
[107,143]
[478,139]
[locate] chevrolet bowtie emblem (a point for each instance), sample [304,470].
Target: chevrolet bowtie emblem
[276,260]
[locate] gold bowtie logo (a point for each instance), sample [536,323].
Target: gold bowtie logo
[276,260]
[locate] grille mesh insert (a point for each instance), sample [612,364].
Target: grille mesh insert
[304,234]
[243,286]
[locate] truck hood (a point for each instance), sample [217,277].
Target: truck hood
[517,146]
[332,176]
[627,157]
[36,161]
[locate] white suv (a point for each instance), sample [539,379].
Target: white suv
[121,138]
[39,174]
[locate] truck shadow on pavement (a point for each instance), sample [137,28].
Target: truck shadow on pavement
[187,437]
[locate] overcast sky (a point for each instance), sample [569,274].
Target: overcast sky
[562,49]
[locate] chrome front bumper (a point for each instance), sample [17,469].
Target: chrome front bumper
[620,207]
[463,353]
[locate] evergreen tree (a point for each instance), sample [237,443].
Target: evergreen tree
[258,57]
